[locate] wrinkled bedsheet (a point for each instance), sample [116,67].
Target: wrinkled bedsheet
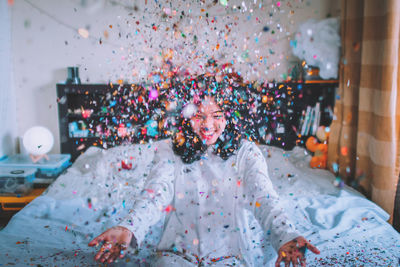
[54,229]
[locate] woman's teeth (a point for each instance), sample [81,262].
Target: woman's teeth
[208,133]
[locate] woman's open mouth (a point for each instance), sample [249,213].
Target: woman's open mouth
[207,135]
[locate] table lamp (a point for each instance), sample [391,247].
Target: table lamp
[38,141]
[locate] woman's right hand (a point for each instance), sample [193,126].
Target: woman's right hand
[115,244]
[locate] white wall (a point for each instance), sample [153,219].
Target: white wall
[7,97]
[45,42]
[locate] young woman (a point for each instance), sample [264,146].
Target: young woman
[206,181]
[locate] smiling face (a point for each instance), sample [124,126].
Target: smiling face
[209,121]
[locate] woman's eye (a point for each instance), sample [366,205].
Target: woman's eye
[198,116]
[218,116]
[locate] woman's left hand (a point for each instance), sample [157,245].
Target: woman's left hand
[115,243]
[294,252]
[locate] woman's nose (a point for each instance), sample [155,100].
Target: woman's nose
[207,122]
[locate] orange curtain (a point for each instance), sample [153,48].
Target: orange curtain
[364,140]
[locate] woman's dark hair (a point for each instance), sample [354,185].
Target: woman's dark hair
[186,143]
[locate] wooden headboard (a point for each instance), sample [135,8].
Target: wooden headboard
[106,115]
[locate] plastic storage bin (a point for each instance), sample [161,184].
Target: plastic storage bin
[47,170]
[16,181]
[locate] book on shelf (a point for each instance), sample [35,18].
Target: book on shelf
[310,119]
[317,118]
[310,122]
[303,115]
[305,121]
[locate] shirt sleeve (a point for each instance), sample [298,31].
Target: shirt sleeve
[157,194]
[263,199]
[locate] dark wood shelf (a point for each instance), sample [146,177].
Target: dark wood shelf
[321,82]
[289,99]
[80,117]
[88,137]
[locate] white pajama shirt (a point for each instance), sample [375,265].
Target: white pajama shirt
[205,203]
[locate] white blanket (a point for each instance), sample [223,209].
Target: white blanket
[55,228]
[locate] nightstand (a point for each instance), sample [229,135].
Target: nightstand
[9,205]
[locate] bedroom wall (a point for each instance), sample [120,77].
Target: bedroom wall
[111,40]
[7,97]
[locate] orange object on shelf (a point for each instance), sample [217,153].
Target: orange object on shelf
[321,81]
[12,203]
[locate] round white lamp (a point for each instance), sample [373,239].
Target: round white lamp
[38,141]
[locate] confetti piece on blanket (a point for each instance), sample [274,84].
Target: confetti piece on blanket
[83,32]
[169,208]
[126,166]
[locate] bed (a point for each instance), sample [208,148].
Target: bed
[54,229]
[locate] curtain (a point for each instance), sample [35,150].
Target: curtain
[364,142]
[7,95]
